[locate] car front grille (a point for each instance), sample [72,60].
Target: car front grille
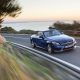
[67,43]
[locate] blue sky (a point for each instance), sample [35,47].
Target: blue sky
[48,10]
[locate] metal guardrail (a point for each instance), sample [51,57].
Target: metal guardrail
[71,69]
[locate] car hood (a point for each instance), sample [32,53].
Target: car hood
[60,38]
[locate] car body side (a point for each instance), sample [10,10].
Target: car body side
[58,43]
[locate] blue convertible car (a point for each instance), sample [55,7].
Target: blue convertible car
[53,40]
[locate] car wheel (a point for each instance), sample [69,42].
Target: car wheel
[49,48]
[33,44]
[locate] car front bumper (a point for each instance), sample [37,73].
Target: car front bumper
[61,48]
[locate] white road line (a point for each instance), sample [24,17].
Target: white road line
[16,37]
[77,46]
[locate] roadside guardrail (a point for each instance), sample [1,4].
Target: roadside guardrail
[62,69]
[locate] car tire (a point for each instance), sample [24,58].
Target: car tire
[33,44]
[49,49]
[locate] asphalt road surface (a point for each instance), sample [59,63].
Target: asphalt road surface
[72,56]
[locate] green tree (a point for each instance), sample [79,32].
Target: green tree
[9,8]
[8,30]
[67,26]
[27,31]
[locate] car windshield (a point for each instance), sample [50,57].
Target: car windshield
[52,33]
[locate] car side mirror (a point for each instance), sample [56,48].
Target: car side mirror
[62,33]
[42,37]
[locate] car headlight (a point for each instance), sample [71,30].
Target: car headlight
[74,41]
[55,43]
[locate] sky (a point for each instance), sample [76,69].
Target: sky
[33,10]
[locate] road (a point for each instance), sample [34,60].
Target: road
[72,57]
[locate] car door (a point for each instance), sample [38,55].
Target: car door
[41,42]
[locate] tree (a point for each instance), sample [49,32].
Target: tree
[8,30]
[9,8]
[67,26]
[27,31]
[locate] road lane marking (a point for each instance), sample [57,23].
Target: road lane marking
[17,37]
[77,46]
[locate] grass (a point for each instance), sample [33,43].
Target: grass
[14,67]
[9,67]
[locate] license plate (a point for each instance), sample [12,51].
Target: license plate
[68,46]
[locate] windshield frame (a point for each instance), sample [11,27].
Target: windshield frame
[59,33]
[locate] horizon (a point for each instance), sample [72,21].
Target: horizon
[22,21]
[31,25]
